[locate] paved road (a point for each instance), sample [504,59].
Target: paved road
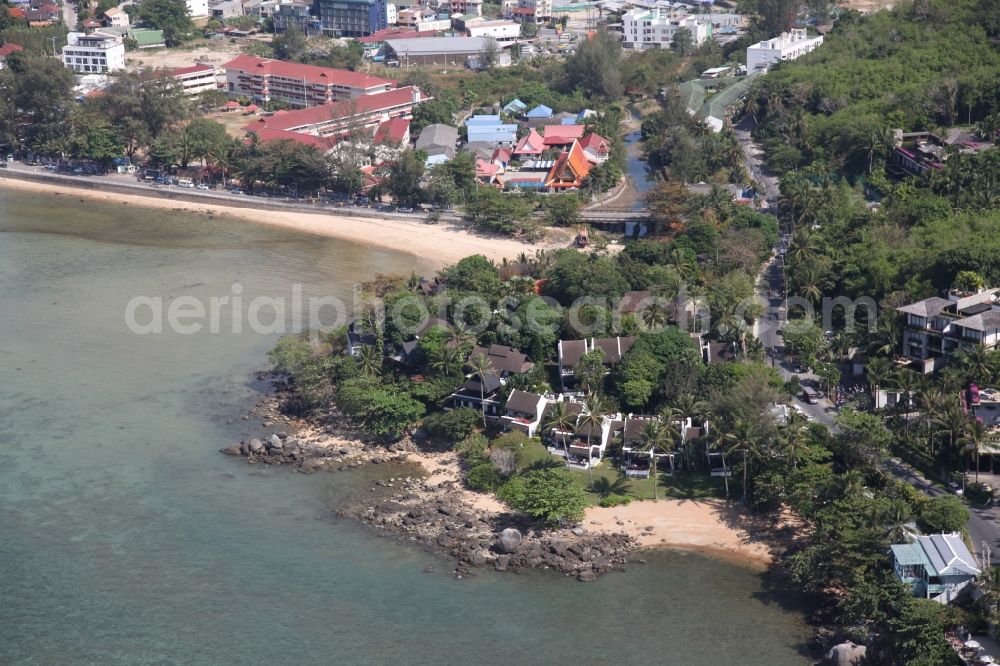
[69,15]
[984,524]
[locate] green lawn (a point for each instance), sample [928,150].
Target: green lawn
[683,485]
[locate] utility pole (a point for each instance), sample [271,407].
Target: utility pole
[986,559]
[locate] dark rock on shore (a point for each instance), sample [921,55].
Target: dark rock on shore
[503,542]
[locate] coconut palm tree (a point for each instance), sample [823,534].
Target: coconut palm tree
[655,439]
[686,406]
[561,419]
[794,438]
[655,316]
[976,437]
[878,371]
[955,423]
[591,419]
[459,335]
[445,360]
[369,360]
[481,365]
[744,436]
[905,381]
[720,444]
[977,363]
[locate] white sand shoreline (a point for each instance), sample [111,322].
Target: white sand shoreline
[439,244]
[712,528]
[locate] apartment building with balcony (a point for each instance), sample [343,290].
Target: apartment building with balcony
[96,53]
[262,80]
[655,28]
[936,329]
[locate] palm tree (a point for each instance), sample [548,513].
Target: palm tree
[878,371]
[655,439]
[369,360]
[591,419]
[752,106]
[905,380]
[743,436]
[974,440]
[481,365]
[655,316]
[458,335]
[977,363]
[686,406]
[953,422]
[720,443]
[794,438]
[562,420]
[445,360]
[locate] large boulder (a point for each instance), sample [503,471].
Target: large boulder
[275,443]
[846,654]
[510,539]
[231,450]
[256,446]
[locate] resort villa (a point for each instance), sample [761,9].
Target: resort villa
[938,328]
[936,567]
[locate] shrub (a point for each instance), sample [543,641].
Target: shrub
[943,514]
[614,500]
[483,476]
[452,426]
[549,495]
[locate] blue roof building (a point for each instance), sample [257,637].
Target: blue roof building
[515,107]
[540,111]
[489,129]
[936,567]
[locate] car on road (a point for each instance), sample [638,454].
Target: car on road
[798,369]
[404,210]
[203,186]
[810,396]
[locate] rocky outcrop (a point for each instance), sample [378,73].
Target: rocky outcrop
[505,542]
[846,654]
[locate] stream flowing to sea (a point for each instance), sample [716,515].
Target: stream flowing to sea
[126,538]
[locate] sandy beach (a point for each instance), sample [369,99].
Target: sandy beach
[440,244]
[710,527]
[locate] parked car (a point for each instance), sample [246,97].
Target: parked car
[810,396]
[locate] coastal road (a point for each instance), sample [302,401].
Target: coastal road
[984,523]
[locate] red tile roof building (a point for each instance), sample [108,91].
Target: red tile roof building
[569,170]
[532,144]
[562,135]
[196,79]
[341,118]
[393,132]
[299,85]
[268,134]
[595,147]
[6,50]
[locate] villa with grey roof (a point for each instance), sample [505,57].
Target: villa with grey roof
[936,567]
[938,328]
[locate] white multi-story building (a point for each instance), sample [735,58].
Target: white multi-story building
[655,28]
[197,7]
[787,46]
[116,17]
[196,79]
[391,16]
[95,53]
[504,32]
